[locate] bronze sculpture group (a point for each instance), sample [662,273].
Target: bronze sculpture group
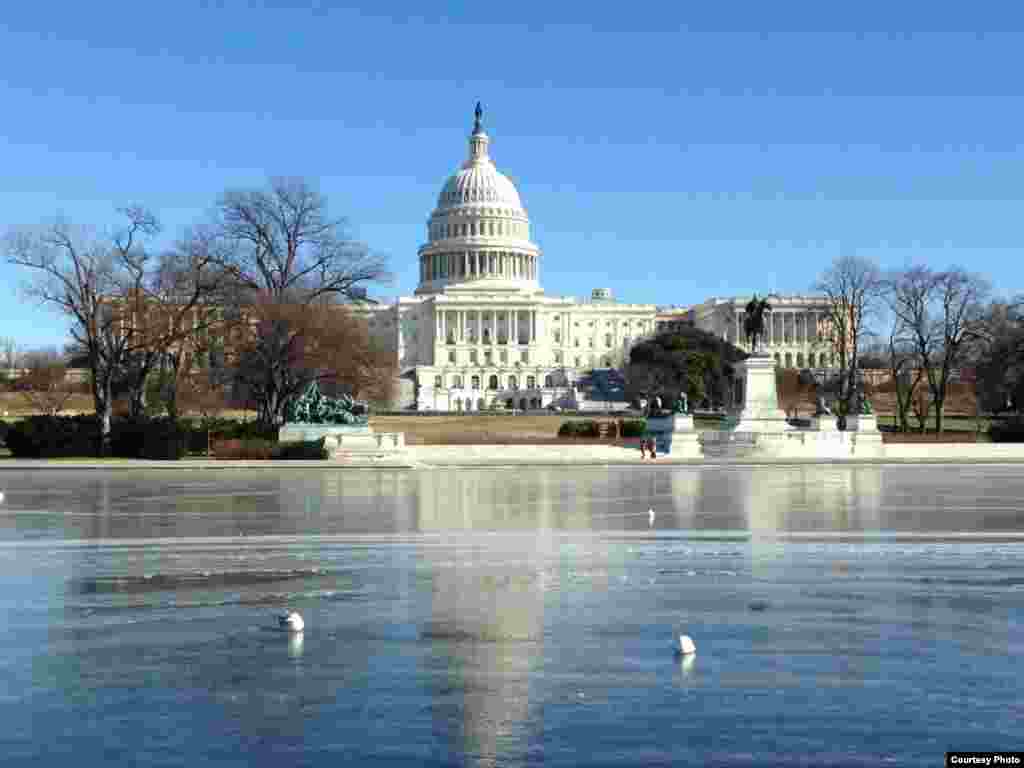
[314,408]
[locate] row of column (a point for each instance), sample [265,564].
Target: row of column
[804,324]
[459,324]
[477,264]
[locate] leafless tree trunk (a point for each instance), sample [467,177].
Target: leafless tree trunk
[77,274]
[943,314]
[852,285]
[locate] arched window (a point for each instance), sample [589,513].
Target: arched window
[531,382]
[778,359]
[475,382]
[513,382]
[549,381]
[492,383]
[438,381]
[799,359]
[789,359]
[480,404]
[810,359]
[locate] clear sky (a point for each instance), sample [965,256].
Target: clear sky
[671,151]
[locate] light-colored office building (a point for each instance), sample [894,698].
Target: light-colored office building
[797,332]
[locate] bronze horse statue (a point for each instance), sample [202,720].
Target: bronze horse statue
[753,321]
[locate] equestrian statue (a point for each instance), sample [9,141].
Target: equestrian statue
[754,322]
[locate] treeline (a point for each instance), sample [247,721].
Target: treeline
[922,325]
[249,306]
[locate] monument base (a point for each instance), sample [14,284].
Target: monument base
[761,412]
[347,442]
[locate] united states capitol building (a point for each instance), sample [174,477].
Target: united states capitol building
[479,330]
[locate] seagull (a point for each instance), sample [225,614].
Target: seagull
[291,621]
[686,646]
[650,517]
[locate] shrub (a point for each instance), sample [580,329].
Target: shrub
[242,449]
[303,449]
[1009,431]
[584,428]
[40,437]
[634,428]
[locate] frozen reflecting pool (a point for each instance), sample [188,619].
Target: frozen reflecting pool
[842,615]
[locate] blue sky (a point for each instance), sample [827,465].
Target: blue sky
[670,151]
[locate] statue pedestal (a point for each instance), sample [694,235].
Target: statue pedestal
[347,441]
[761,412]
[862,422]
[824,423]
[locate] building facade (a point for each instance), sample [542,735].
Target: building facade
[479,330]
[797,333]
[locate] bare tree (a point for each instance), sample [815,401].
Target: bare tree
[943,314]
[10,353]
[284,245]
[44,384]
[292,345]
[171,303]
[1000,363]
[852,286]
[76,273]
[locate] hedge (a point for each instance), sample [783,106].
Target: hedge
[583,428]
[1009,431]
[259,449]
[44,437]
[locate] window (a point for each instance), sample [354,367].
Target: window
[438,382]
[549,381]
[789,359]
[451,355]
[577,342]
[526,356]
[513,383]
[492,383]
[558,357]
[607,362]
[504,355]
[577,364]
[558,337]
[810,360]
[590,343]
[487,356]
[607,339]
[472,356]
[475,382]
[457,382]
[531,382]
[799,359]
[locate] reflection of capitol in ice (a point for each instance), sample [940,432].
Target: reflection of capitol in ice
[486,621]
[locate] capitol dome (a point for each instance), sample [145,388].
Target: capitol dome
[479,234]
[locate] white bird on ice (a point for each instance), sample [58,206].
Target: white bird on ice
[291,621]
[686,646]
